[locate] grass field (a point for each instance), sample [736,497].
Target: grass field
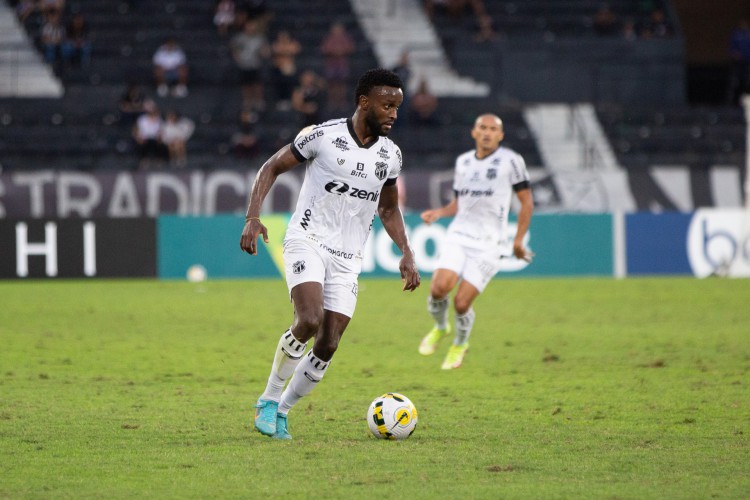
[573,388]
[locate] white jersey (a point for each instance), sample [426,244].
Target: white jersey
[483,190]
[343,179]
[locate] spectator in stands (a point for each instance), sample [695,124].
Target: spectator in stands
[284,51]
[308,98]
[25,9]
[52,36]
[629,31]
[147,133]
[246,140]
[131,104]
[739,53]
[403,70]
[485,30]
[171,69]
[250,49]
[76,48]
[337,47]
[258,11]
[224,16]
[424,104]
[605,21]
[176,132]
[50,8]
[656,25]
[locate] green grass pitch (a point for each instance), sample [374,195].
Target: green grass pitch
[572,388]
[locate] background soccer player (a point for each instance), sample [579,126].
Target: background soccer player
[351,172]
[474,245]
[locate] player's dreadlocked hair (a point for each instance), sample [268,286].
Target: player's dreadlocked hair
[376,78]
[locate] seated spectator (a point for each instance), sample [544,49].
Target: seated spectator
[403,70]
[170,69]
[50,8]
[25,9]
[250,50]
[246,140]
[605,21]
[152,152]
[224,16]
[485,31]
[258,11]
[337,47]
[656,26]
[423,108]
[52,36]
[284,50]
[131,104]
[308,98]
[629,31]
[176,131]
[76,48]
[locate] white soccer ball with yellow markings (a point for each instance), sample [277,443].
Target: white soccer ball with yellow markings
[392,416]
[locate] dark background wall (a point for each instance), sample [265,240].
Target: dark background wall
[707,26]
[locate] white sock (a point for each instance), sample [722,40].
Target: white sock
[289,352]
[464,324]
[306,376]
[438,308]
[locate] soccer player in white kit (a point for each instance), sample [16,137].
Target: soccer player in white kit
[351,172]
[474,245]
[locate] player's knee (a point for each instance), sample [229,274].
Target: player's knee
[461,304]
[326,347]
[307,325]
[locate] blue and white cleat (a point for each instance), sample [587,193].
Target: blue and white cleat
[282,427]
[265,416]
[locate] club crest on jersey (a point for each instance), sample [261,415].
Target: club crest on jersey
[298,266]
[383,153]
[381,170]
[491,173]
[341,143]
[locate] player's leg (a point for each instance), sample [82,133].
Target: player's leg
[478,272]
[305,272]
[339,301]
[448,271]
[443,281]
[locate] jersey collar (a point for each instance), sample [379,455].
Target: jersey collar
[350,126]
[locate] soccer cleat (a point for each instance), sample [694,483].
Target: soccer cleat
[455,356]
[430,341]
[265,416]
[282,427]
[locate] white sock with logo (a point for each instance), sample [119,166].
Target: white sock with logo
[464,324]
[438,308]
[289,352]
[306,376]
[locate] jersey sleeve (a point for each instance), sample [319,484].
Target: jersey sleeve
[398,164]
[518,172]
[305,146]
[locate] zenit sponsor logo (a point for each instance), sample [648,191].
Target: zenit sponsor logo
[343,188]
[301,144]
[476,192]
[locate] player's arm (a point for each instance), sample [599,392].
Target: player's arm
[393,222]
[449,210]
[282,161]
[523,192]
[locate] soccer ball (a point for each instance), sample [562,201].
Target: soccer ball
[196,273]
[392,416]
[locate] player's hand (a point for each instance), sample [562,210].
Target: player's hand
[409,272]
[429,216]
[249,240]
[523,253]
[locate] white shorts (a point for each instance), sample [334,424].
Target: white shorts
[475,265]
[306,261]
